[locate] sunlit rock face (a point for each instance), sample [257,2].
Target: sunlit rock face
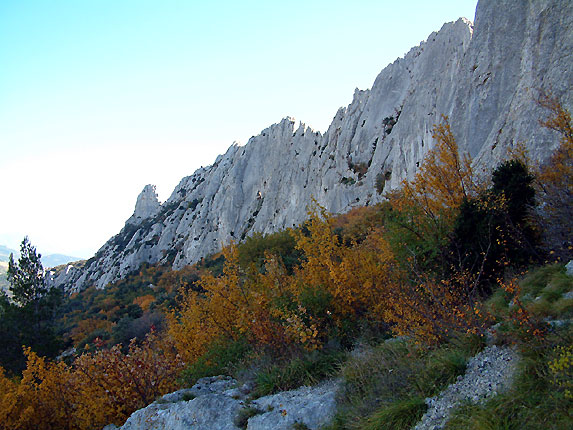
[146,206]
[485,77]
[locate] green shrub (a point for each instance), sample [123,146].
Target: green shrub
[309,369]
[347,181]
[219,358]
[281,244]
[381,179]
[187,397]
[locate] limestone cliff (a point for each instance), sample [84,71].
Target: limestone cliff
[146,206]
[484,76]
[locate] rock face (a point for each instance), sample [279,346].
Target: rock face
[216,403]
[209,404]
[569,268]
[146,206]
[312,407]
[485,77]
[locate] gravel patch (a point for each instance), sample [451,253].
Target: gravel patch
[488,373]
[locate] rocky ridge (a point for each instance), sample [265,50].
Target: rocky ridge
[484,76]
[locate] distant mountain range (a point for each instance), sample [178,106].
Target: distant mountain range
[5,253]
[51,260]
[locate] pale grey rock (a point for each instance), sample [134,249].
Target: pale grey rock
[215,402]
[213,385]
[207,412]
[569,268]
[146,206]
[205,406]
[488,373]
[311,406]
[484,76]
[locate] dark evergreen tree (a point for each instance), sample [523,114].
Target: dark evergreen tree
[493,230]
[28,316]
[513,180]
[27,277]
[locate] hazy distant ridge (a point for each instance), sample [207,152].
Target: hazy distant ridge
[51,260]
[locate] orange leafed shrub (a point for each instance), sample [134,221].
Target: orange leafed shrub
[225,308]
[445,177]
[425,307]
[144,301]
[357,223]
[114,384]
[97,389]
[428,205]
[430,311]
[555,183]
[44,398]
[87,326]
[357,277]
[9,405]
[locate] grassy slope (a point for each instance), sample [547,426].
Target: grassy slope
[385,388]
[385,385]
[538,398]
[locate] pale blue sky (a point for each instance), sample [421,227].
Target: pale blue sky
[99,98]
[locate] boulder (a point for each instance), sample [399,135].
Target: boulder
[217,403]
[205,406]
[312,406]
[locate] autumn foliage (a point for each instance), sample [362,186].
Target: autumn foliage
[98,388]
[555,183]
[419,265]
[344,279]
[407,265]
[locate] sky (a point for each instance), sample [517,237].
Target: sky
[100,98]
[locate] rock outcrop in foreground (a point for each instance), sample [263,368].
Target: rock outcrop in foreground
[485,76]
[217,403]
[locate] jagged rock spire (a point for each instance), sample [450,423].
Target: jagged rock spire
[147,205]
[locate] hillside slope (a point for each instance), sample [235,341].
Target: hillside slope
[484,76]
